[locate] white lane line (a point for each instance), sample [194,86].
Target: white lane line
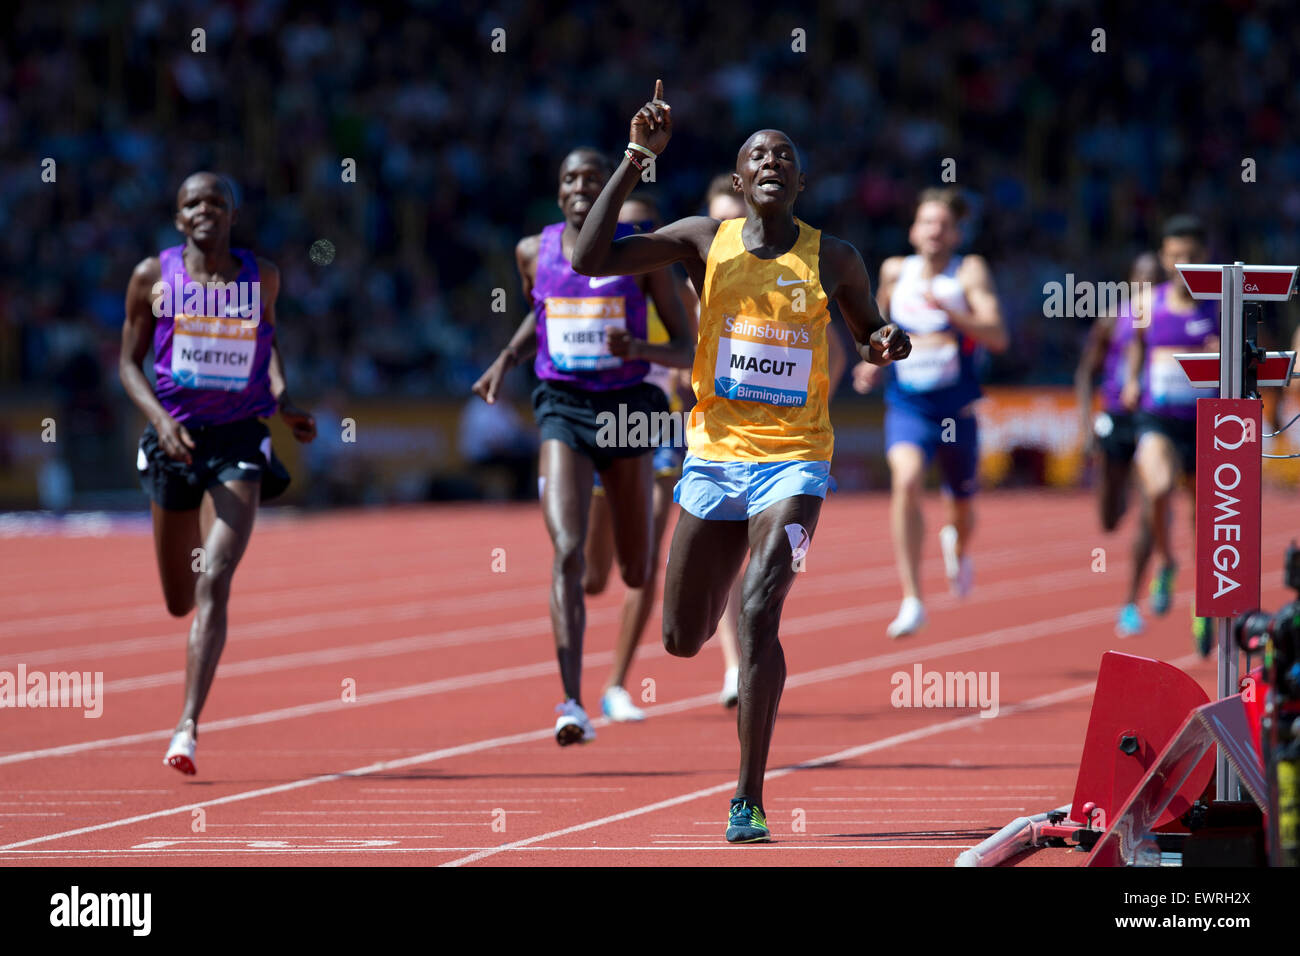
[908,655]
[146,608]
[537,627]
[29,855]
[829,673]
[367,699]
[850,753]
[299,784]
[857,580]
[1034,703]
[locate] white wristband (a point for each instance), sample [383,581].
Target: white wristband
[642,149]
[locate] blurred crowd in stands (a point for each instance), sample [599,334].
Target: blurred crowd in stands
[1072,145]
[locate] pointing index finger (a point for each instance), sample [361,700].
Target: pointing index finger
[659,91]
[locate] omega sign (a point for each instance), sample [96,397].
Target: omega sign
[1227,505]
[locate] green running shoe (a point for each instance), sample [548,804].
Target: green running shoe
[1162,590]
[1202,635]
[746,823]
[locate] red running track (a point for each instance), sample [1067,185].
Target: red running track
[446,755]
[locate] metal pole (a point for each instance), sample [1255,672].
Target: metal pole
[1231,351]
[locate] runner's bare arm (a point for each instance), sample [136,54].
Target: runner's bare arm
[596,253]
[890,270]
[1090,363]
[1135,358]
[983,322]
[301,423]
[523,344]
[837,360]
[865,375]
[878,342]
[137,338]
[679,350]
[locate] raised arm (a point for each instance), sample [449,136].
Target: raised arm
[878,342]
[596,253]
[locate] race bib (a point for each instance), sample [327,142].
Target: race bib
[1168,383]
[931,366]
[762,360]
[213,352]
[575,331]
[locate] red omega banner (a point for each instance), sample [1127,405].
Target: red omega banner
[1228,467]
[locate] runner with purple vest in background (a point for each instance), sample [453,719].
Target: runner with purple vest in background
[1110,438]
[1164,402]
[592,357]
[205,460]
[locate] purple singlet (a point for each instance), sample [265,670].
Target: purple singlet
[1168,392]
[212,364]
[573,311]
[1114,371]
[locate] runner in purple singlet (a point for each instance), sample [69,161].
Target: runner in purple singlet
[1164,403]
[205,458]
[1110,439]
[592,359]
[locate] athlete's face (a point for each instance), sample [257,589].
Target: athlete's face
[635,211]
[934,231]
[204,210]
[767,171]
[582,177]
[1146,268]
[1175,249]
[726,206]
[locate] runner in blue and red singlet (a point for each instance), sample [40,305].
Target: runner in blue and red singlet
[205,458]
[947,304]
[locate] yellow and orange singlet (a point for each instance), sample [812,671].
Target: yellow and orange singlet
[760,375]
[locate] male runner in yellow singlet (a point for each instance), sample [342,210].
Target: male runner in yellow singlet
[760,438]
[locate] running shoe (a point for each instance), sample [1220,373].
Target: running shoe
[180,753]
[730,695]
[572,727]
[1130,622]
[1202,635]
[1162,589]
[960,571]
[616,704]
[746,823]
[911,618]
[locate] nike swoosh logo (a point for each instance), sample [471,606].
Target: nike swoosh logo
[791,282]
[249,467]
[604,280]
